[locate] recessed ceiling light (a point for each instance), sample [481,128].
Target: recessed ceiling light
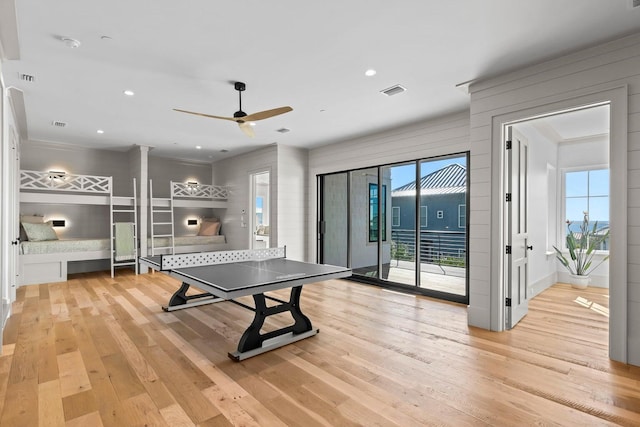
[198,147]
[370,72]
[71,43]
[129,92]
[100,131]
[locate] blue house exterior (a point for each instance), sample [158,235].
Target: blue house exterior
[443,216]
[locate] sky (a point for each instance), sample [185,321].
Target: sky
[587,191]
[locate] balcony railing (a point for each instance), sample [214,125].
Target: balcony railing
[442,248]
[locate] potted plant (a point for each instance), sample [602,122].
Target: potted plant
[582,246]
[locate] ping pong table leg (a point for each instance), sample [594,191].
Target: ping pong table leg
[180,299]
[253,342]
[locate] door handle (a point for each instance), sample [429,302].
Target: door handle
[530,248]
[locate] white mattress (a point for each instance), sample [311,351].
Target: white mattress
[86,245]
[58,246]
[188,240]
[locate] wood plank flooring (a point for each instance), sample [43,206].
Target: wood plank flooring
[96,351]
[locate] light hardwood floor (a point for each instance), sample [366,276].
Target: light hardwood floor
[96,351]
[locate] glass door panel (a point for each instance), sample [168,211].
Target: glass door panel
[399,260]
[363,218]
[443,225]
[334,220]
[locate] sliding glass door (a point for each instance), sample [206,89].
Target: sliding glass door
[400,225]
[443,225]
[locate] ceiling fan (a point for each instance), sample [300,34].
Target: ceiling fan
[243,119]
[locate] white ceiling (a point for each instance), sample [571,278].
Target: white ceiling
[309,55]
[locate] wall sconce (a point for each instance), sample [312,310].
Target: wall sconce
[192,222]
[57,174]
[192,186]
[58,223]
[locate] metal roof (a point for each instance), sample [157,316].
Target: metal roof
[449,180]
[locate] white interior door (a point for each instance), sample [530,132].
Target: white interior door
[516,200]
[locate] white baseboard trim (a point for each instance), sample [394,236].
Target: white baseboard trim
[597,281]
[6,313]
[540,285]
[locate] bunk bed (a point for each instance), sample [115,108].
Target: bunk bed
[186,196]
[43,257]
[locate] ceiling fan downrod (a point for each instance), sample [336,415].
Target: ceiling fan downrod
[240,87]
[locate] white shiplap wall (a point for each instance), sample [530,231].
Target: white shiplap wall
[445,135]
[606,72]
[292,201]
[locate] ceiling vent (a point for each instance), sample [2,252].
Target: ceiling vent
[283,130]
[58,124]
[27,77]
[393,90]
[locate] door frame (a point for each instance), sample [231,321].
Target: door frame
[617,98]
[252,205]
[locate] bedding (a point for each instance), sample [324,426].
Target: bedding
[188,240]
[31,219]
[209,229]
[57,246]
[39,232]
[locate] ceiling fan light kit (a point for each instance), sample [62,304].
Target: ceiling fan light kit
[243,119]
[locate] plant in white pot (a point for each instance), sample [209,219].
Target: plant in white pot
[582,247]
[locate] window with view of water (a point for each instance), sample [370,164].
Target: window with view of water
[587,192]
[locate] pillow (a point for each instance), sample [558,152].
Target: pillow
[209,228]
[31,219]
[39,232]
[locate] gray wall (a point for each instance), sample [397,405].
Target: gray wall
[82,221]
[163,170]
[45,156]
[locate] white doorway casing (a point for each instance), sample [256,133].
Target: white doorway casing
[259,216]
[617,99]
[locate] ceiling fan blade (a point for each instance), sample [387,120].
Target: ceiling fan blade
[266,114]
[233,119]
[247,129]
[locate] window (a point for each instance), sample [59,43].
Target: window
[423,216]
[462,216]
[395,216]
[373,212]
[440,214]
[587,191]
[258,210]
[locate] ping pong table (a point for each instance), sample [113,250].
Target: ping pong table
[225,275]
